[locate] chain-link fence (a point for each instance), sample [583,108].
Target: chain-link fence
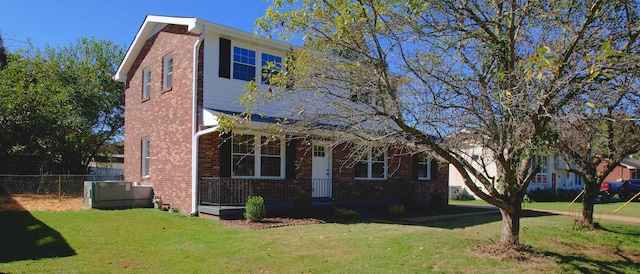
[59,186]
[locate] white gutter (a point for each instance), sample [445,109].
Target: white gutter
[195,136]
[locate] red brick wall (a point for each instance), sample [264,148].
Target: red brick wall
[401,179]
[165,118]
[401,176]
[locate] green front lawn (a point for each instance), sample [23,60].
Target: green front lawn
[148,241]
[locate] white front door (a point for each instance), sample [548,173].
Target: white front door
[321,170]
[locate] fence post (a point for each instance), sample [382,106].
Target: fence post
[59,188]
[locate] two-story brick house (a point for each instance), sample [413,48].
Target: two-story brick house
[181,74]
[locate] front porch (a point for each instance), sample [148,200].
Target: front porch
[226,197]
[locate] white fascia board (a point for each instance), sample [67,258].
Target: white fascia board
[149,27]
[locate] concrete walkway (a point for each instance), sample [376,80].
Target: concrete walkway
[494,210]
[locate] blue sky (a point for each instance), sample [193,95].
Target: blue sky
[61,22]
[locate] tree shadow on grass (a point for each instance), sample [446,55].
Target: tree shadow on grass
[579,263]
[24,237]
[463,220]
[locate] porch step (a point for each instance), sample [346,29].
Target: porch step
[222,211]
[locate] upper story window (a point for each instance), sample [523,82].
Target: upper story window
[167,71]
[372,165]
[540,161]
[424,167]
[145,157]
[244,64]
[271,65]
[257,159]
[146,83]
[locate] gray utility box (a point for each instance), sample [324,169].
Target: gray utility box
[116,195]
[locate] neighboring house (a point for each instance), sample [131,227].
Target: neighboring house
[553,174]
[104,166]
[628,169]
[181,74]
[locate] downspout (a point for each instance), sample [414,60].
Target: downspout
[194,134]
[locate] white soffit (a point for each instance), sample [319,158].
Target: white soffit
[209,118]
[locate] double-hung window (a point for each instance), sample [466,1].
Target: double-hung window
[257,156]
[424,167]
[270,157]
[271,66]
[244,64]
[244,155]
[540,162]
[167,72]
[145,157]
[372,165]
[146,83]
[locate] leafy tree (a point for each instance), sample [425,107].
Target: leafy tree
[446,74]
[593,143]
[59,107]
[3,54]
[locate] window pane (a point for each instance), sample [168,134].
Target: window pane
[244,64]
[422,170]
[243,165]
[146,83]
[145,157]
[271,65]
[318,151]
[424,166]
[362,170]
[377,155]
[377,170]
[243,144]
[270,147]
[243,72]
[270,166]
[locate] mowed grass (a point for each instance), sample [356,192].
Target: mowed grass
[150,241]
[630,210]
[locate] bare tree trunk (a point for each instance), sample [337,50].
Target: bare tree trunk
[590,195]
[510,233]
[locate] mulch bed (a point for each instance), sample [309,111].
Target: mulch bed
[507,251]
[270,222]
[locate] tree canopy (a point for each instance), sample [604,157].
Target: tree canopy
[448,75]
[59,107]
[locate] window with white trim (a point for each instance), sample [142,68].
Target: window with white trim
[540,161]
[257,159]
[145,157]
[167,71]
[424,167]
[271,65]
[372,165]
[244,64]
[146,83]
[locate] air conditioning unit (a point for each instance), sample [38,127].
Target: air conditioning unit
[116,195]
